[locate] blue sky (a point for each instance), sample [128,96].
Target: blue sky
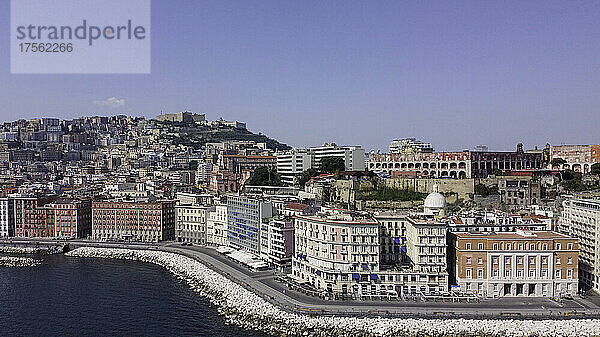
[455,73]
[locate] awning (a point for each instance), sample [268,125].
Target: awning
[374,277]
[404,249]
[397,240]
[318,272]
[364,266]
[355,277]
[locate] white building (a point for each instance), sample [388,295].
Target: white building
[191,222]
[410,145]
[581,219]
[521,263]
[426,248]
[216,226]
[280,244]
[203,173]
[7,220]
[333,248]
[244,219]
[291,164]
[341,253]
[354,156]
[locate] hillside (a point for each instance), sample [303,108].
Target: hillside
[197,136]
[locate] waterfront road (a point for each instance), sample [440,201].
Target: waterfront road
[264,283]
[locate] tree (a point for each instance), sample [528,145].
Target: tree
[483,190]
[559,162]
[305,176]
[264,176]
[571,175]
[332,164]
[595,169]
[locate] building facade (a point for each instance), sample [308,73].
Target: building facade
[484,164]
[410,145]
[581,219]
[244,219]
[72,218]
[291,164]
[33,218]
[133,221]
[191,223]
[354,156]
[341,253]
[423,165]
[459,165]
[216,226]
[523,263]
[7,217]
[519,192]
[280,242]
[333,250]
[578,158]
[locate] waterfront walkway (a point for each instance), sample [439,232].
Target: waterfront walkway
[265,284]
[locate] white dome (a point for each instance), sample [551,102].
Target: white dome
[435,200]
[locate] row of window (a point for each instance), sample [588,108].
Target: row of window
[520,246]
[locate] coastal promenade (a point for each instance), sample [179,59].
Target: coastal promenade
[264,284]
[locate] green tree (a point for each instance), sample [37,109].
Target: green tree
[264,176]
[595,169]
[305,176]
[483,190]
[558,162]
[332,164]
[571,175]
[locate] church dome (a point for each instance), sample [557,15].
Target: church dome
[435,200]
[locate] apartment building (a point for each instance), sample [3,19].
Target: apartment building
[244,218]
[523,263]
[133,221]
[72,218]
[216,226]
[7,217]
[33,218]
[519,192]
[277,240]
[341,253]
[426,250]
[581,219]
[410,145]
[333,249]
[392,237]
[191,223]
[354,156]
[291,164]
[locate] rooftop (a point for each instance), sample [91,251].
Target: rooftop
[521,234]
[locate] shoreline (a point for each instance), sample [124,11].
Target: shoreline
[246,309]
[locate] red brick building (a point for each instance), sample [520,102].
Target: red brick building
[72,218]
[133,221]
[34,218]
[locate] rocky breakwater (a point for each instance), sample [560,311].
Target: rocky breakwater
[32,249]
[244,308]
[12,261]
